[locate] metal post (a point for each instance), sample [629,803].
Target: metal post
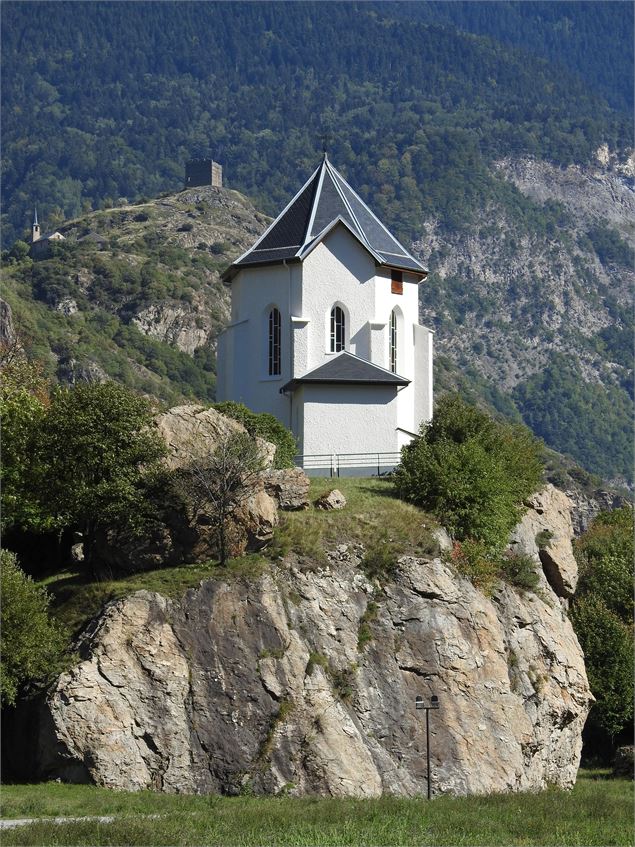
[378,472]
[428,749]
[432,704]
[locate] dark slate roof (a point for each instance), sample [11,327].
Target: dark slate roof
[323,199]
[347,369]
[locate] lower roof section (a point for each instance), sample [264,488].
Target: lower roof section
[347,369]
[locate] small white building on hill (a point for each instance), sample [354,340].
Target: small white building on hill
[324,330]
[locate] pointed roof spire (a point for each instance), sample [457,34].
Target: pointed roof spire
[323,201]
[35,223]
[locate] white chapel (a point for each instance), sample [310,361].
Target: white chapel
[324,331]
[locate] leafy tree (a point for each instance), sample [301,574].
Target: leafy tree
[98,451]
[217,485]
[23,401]
[602,615]
[265,426]
[19,250]
[471,471]
[607,643]
[31,644]
[605,556]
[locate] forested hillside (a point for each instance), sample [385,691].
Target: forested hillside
[474,135]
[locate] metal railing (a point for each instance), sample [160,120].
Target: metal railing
[348,464]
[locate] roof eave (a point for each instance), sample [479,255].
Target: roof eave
[228,274]
[294,383]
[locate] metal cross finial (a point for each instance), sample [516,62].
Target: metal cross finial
[326,138]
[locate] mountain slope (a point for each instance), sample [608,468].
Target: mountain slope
[143,306]
[111,106]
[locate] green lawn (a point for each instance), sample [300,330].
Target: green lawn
[597,812]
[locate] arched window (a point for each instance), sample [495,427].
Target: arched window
[338,329]
[392,342]
[275,332]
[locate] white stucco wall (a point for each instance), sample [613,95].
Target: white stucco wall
[423,383]
[338,271]
[244,365]
[348,418]
[407,308]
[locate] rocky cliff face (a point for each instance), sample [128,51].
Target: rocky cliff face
[304,682]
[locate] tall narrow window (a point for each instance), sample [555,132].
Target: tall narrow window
[275,331]
[393,342]
[338,329]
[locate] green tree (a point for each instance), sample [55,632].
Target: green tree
[217,485]
[607,643]
[23,400]
[602,616]
[99,452]
[31,644]
[471,471]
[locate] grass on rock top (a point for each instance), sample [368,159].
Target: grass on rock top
[597,812]
[373,516]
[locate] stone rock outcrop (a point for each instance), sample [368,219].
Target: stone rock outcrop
[545,534]
[192,432]
[262,686]
[587,507]
[195,430]
[331,500]
[8,336]
[289,487]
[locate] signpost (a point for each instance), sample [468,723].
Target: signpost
[420,703]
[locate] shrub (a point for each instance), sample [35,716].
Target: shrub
[32,645]
[380,560]
[607,643]
[471,471]
[602,616]
[543,538]
[265,426]
[519,571]
[474,561]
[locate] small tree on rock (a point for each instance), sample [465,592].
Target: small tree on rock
[218,484]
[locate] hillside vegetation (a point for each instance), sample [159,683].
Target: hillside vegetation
[484,140]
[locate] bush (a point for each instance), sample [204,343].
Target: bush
[471,471]
[602,616]
[607,643]
[380,560]
[265,426]
[32,645]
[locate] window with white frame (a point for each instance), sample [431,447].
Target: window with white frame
[275,333]
[338,329]
[392,341]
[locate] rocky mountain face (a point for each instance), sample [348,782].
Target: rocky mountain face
[303,682]
[504,299]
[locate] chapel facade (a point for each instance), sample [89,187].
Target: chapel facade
[324,331]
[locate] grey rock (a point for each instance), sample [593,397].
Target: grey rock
[261,685]
[8,336]
[289,487]
[549,514]
[332,500]
[441,539]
